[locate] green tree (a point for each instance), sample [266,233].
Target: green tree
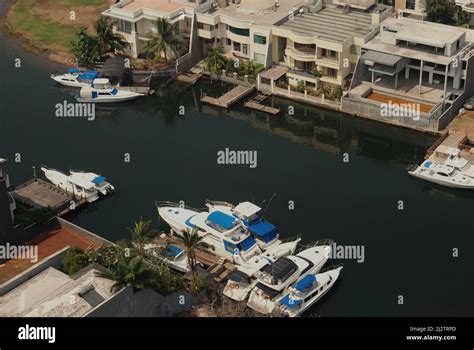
[142,232]
[132,272]
[191,241]
[164,40]
[108,41]
[85,47]
[337,93]
[301,86]
[446,12]
[215,60]
[74,261]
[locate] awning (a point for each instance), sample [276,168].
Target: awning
[99,180]
[262,228]
[304,283]
[222,220]
[381,58]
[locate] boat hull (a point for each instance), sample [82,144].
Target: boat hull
[442,183]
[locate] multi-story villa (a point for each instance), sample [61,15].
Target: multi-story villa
[305,35]
[423,69]
[468,7]
[322,45]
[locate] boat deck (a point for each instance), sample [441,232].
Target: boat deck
[256,103]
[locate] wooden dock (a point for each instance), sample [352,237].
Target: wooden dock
[188,78]
[256,103]
[229,98]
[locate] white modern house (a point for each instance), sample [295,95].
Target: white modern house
[425,66]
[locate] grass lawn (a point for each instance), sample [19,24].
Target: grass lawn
[47,23]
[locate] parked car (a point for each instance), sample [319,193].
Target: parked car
[469,105]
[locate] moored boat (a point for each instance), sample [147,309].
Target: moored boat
[76,78]
[443,174]
[101,91]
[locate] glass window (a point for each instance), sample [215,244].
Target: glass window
[245,49]
[229,42]
[239,31]
[259,39]
[125,26]
[410,4]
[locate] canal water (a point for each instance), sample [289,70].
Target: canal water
[407,253]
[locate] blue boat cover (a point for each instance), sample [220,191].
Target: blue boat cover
[222,220]
[265,230]
[304,283]
[188,222]
[73,70]
[99,180]
[290,303]
[427,164]
[262,228]
[89,75]
[114,91]
[248,243]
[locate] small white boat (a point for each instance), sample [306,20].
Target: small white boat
[75,78]
[101,91]
[99,181]
[242,280]
[275,279]
[75,186]
[442,174]
[307,291]
[171,255]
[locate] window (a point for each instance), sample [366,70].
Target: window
[332,72]
[245,49]
[239,31]
[236,46]
[410,4]
[355,50]
[229,42]
[200,25]
[258,57]
[124,26]
[259,39]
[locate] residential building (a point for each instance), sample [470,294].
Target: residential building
[321,45]
[424,66]
[414,9]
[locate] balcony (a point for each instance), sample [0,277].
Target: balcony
[328,61]
[301,53]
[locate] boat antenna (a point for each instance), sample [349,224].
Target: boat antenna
[269,202]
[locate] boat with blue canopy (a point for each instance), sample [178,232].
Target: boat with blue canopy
[76,78]
[99,182]
[307,291]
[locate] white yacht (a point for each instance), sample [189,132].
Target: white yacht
[275,279]
[242,280]
[307,291]
[442,174]
[224,234]
[250,215]
[71,184]
[99,181]
[76,78]
[101,91]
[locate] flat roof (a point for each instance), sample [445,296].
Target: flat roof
[279,12]
[41,194]
[331,24]
[423,32]
[48,294]
[382,58]
[165,6]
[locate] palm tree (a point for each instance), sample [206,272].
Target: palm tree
[164,40]
[107,40]
[191,241]
[130,272]
[142,231]
[215,59]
